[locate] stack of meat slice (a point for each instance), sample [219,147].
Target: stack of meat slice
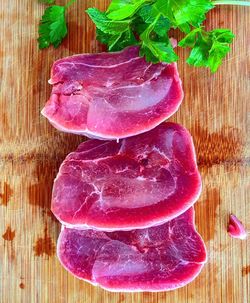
[126,207]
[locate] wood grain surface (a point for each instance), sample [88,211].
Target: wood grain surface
[215,110]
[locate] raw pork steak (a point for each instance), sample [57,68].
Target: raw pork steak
[158,258]
[136,183]
[111,95]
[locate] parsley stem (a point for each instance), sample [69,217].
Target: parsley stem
[232,2]
[69,3]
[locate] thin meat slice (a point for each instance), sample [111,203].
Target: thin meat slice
[111,95]
[236,228]
[158,258]
[136,183]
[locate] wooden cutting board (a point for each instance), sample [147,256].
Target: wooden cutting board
[214,110]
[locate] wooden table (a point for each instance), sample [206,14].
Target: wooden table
[214,110]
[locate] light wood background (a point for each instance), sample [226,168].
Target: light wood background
[214,110]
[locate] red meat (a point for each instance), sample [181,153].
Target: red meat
[158,258]
[139,182]
[111,95]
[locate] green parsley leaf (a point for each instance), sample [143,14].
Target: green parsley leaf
[223,35]
[52,28]
[158,51]
[162,26]
[216,54]
[155,42]
[122,9]
[47,1]
[221,38]
[118,4]
[117,42]
[190,39]
[150,14]
[192,11]
[106,25]
[199,54]
[208,48]
[183,13]
[138,26]
[156,48]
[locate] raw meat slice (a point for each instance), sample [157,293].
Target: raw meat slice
[236,228]
[111,95]
[136,183]
[158,258]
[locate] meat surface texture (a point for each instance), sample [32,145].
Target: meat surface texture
[111,95]
[137,183]
[158,258]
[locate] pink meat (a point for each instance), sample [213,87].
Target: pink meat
[236,228]
[111,95]
[139,182]
[158,258]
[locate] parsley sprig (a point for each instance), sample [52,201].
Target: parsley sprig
[53,27]
[208,48]
[147,23]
